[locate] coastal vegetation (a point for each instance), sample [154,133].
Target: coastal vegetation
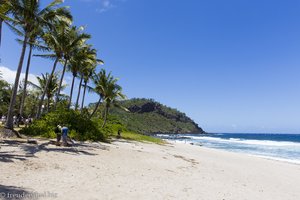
[147,116]
[48,32]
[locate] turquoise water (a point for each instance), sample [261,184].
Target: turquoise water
[283,147]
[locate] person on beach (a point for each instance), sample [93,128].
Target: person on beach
[19,120]
[64,131]
[119,134]
[3,119]
[15,119]
[58,131]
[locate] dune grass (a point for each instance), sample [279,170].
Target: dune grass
[128,135]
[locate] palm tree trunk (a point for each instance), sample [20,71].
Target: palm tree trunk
[105,116]
[38,114]
[48,104]
[34,107]
[25,82]
[85,84]
[78,95]
[71,93]
[9,123]
[60,83]
[1,22]
[96,108]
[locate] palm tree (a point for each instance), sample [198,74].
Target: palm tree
[79,91]
[100,81]
[33,43]
[75,65]
[61,14]
[112,93]
[87,66]
[51,88]
[74,39]
[54,39]
[25,16]
[89,55]
[4,11]
[88,71]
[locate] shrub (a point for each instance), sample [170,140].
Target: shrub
[80,127]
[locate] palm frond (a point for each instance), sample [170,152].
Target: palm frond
[49,56]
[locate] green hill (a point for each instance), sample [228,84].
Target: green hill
[147,116]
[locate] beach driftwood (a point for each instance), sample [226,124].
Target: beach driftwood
[8,133]
[32,141]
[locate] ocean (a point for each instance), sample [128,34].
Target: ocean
[281,147]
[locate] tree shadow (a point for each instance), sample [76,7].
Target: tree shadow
[31,149]
[12,192]
[10,157]
[91,146]
[12,143]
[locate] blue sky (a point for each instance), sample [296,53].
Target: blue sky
[232,66]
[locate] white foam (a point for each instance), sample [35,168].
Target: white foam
[162,135]
[264,142]
[252,142]
[178,141]
[279,159]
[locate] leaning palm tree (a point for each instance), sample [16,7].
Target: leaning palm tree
[100,80]
[51,88]
[4,12]
[74,66]
[74,39]
[33,43]
[76,63]
[112,93]
[86,70]
[79,90]
[25,14]
[54,39]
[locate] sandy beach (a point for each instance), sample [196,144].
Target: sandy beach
[132,170]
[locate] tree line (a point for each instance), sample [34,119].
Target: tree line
[50,31]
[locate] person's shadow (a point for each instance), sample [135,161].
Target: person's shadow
[12,192]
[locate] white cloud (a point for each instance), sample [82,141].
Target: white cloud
[10,75]
[104,5]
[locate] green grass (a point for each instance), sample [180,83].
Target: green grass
[83,129]
[128,135]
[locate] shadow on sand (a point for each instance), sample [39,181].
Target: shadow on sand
[11,192]
[30,150]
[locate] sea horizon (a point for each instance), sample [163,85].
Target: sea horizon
[252,133]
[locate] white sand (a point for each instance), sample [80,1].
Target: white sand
[124,170]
